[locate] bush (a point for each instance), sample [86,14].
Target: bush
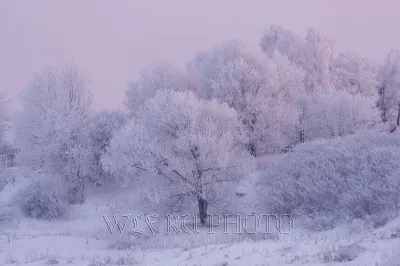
[343,253]
[7,176]
[43,199]
[9,217]
[351,177]
[4,180]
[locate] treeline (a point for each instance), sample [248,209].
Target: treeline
[189,136]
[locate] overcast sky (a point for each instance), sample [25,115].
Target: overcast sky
[112,40]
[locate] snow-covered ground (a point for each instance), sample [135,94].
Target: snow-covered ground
[84,239]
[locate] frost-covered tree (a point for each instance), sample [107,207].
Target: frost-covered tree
[340,90]
[320,55]
[99,130]
[389,88]
[259,88]
[314,53]
[4,118]
[355,74]
[55,105]
[193,147]
[285,41]
[333,113]
[153,77]
[7,151]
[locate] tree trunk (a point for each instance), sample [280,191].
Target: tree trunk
[383,116]
[252,149]
[76,194]
[398,115]
[301,136]
[202,210]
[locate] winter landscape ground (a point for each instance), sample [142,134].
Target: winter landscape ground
[288,129]
[84,239]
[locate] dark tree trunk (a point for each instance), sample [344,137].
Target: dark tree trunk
[252,149]
[381,103]
[398,115]
[383,116]
[76,194]
[301,136]
[202,210]
[250,122]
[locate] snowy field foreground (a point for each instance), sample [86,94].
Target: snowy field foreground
[84,239]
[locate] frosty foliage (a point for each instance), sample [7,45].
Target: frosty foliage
[260,89]
[4,118]
[158,75]
[355,74]
[52,104]
[192,138]
[333,113]
[5,178]
[389,88]
[55,106]
[341,90]
[313,53]
[354,176]
[193,148]
[43,199]
[98,132]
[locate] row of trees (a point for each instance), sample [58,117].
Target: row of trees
[191,135]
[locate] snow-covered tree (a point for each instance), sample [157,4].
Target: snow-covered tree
[7,151]
[332,113]
[54,107]
[193,147]
[340,90]
[153,77]
[389,88]
[355,74]
[320,55]
[285,41]
[99,130]
[4,118]
[313,54]
[259,88]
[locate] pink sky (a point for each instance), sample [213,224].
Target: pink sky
[112,40]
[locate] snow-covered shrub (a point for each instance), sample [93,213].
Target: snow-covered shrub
[7,176]
[350,177]
[4,180]
[7,155]
[317,223]
[342,253]
[9,217]
[43,199]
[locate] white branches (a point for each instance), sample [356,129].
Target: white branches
[55,106]
[202,156]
